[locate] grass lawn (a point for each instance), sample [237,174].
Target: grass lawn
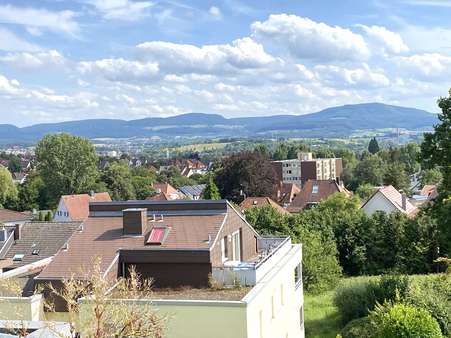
[321,316]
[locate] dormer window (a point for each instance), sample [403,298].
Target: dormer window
[315,189]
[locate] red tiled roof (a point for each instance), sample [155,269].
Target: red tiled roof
[311,195]
[251,202]
[395,197]
[288,192]
[78,205]
[7,215]
[429,190]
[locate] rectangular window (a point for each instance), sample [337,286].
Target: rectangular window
[224,249]
[315,189]
[156,235]
[18,257]
[298,275]
[301,316]
[236,246]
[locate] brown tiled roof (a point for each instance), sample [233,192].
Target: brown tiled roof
[165,188]
[78,205]
[48,238]
[325,188]
[103,237]
[250,202]
[165,192]
[288,192]
[7,215]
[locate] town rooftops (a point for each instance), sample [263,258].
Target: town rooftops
[78,205]
[165,192]
[38,241]
[7,216]
[250,202]
[192,190]
[171,225]
[394,197]
[313,192]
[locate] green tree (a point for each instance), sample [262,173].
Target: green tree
[373,146]
[142,180]
[211,191]
[396,175]
[14,164]
[263,150]
[67,164]
[281,152]
[431,176]
[8,190]
[370,170]
[118,180]
[365,191]
[436,152]
[32,193]
[249,173]
[266,220]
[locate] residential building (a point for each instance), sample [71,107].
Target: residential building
[251,202]
[388,199]
[315,191]
[193,192]
[305,167]
[34,244]
[187,243]
[165,192]
[76,207]
[9,219]
[286,192]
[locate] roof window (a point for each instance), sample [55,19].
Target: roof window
[157,235]
[315,189]
[18,257]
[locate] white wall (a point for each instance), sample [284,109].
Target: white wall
[61,212]
[378,203]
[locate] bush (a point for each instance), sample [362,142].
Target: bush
[359,328]
[356,298]
[403,321]
[433,293]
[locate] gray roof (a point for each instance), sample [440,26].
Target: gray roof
[44,237]
[193,190]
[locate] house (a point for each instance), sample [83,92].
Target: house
[430,191]
[388,199]
[34,244]
[183,245]
[165,192]
[313,192]
[76,207]
[251,202]
[286,192]
[11,217]
[193,192]
[305,168]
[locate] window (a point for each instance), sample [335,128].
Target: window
[3,235]
[315,189]
[236,246]
[35,252]
[224,249]
[301,316]
[297,275]
[18,257]
[156,235]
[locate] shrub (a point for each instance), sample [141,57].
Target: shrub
[433,293]
[359,328]
[355,298]
[403,321]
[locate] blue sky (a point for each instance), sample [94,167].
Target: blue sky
[67,60]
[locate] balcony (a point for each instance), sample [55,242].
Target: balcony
[271,250]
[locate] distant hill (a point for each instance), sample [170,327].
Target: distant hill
[331,122]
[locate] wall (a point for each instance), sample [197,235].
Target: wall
[62,208]
[22,308]
[378,202]
[199,319]
[234,222]
[274,304]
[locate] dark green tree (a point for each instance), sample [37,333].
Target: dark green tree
[118,180]
[32,193]
[396,175]
[365,191]
[8,190]
[370,169]
[142,180]
[373,146]
[431,176]
[281,152]
[67,165]
[211,191]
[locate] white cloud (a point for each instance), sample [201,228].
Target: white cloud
[215,12]
[362,77]
[43,19]
[389,42]
[240,54]
[427,67]
[429,3]
[125,10]
[11,42]
[8,86]
[120,69]
[307,39]
[26,60]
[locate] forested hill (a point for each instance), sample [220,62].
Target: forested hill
[332,122]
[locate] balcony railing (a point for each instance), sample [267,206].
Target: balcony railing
[271,250]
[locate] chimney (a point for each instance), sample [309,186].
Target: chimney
[404,201]
[92,193]
[17,232]
[134,221]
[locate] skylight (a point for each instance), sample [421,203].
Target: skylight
[18,257]
[315,189]
[156,235]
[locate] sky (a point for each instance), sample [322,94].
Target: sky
[84,59]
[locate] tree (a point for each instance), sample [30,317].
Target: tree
[211,191]
[246,173]
[436,152]
[67,164]
[263,150]
[370,170]
[395,175]
[267,220]
[118,180]
[373,146]
[142,180]
[32,193]
[281,152]
[365,191]
[8,190]
[125,312]
[431,176]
